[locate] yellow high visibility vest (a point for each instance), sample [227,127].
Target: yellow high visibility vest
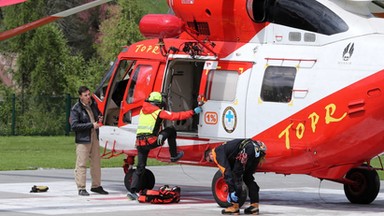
[147,122]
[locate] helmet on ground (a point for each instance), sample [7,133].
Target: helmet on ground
[155,97]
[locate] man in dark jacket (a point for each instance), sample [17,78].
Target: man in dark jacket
[149,136]
[237,160]
[84,119]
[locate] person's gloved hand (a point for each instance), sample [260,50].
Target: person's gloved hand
[232,197]
[197,110]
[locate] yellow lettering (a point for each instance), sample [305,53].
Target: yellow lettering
[143,48]
[155,50]
[300,130]
[286,132]
[149,48]
[138,47]
[314,120]
[330,110]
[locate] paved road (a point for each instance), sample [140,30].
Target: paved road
[280,195]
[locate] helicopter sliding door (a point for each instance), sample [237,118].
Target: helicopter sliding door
[181,87]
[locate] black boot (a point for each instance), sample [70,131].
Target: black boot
[252,209]
[177,157]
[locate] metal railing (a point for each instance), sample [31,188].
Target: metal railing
[35,115]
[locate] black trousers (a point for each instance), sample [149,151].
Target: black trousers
[169,134]
[253,188]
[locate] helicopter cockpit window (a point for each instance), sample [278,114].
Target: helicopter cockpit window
[121,80]
[278,84]
[221,85]
[308,15]
[102,89]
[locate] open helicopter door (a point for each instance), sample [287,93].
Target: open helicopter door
[224,87]
[181,87]
[143,75]
[131,81]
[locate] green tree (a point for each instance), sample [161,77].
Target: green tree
[14,16]
[5,110]
[47,59]
[81,29]
[20,14]
[120,28]
[90,75]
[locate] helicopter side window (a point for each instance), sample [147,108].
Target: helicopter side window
[221,85]
[308,15]
[278,84]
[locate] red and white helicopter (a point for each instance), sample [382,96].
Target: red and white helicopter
[306,77]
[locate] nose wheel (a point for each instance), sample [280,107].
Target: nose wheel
[148,179]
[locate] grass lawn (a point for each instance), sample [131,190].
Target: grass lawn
[33,152]
[26,153]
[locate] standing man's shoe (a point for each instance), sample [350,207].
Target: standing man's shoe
[83,192]
[99,190]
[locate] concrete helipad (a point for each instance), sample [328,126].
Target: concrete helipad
[280,195]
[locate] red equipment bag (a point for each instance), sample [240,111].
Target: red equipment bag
[164,195]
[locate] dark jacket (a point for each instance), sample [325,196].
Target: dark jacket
[81,123]
[228,158]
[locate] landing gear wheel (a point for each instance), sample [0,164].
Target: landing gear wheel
[148,179]
[220,191]
[366,188]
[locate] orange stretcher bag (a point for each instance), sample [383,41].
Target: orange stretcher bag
[164,195]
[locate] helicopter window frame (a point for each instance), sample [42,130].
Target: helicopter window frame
[222,85]
[309,15]
[278,84]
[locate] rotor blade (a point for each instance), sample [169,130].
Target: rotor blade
[4,3]
[21,29]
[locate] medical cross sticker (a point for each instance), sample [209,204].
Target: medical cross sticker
[229,119]
[229,115]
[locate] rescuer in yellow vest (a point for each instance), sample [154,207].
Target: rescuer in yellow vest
[149,136]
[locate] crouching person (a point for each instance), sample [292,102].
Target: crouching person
[238,160]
